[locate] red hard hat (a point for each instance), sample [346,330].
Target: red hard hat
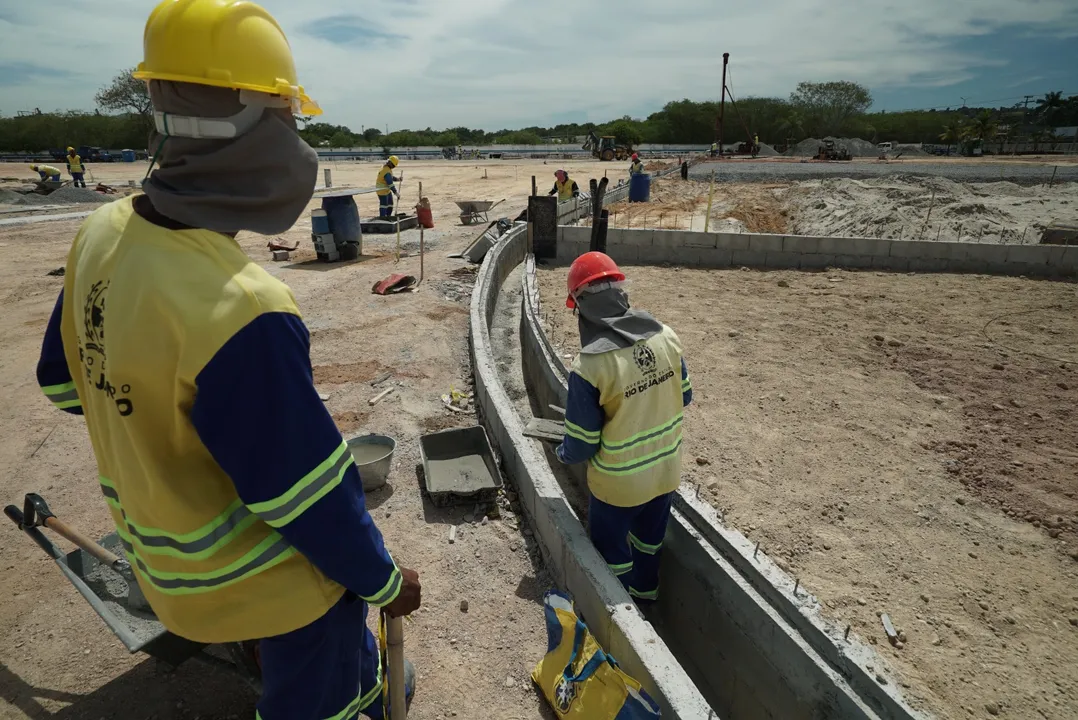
[588,268]
[635,156]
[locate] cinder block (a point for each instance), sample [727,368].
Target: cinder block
[1069,259]
[1028,254]
[894,264]
[951,250]
[815,261]
[572,233]
[986,253]
[748,258]
[800,244]
[732,241]
[965,266]
[670,239]
[699,239]
[636,238]
[624,254]
[569,251]
[765,243]
[919,264]
[783,260]
[708,257]
[652,255]
[864,246]
[911,249]
[853,262]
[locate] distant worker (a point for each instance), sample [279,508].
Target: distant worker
[207,357]
[74,166]
[623,416]
[47,172]
[564,186]
[637,168]
[387,187]
[714,149]
[460,152]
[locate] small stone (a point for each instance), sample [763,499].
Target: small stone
[452,534]
[983,604]
[1016,403]
[1063,386]
[862,602]
[513,547]
[510,681]
[783,283]
[733,333]
[1074,555]
[702,461]
[878,338]
[895,343]
[1053,533]
[960,500]
[992,708]
[997,407]
[485,520]
[924,597]
[464,606]
[937,640]
[998,366]
[902,636]
[899,645]
[881,679]
[973,555]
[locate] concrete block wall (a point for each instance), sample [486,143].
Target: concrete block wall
[719,250]
[573,210]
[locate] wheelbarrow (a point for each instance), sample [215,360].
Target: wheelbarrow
[107,592]
[473,211]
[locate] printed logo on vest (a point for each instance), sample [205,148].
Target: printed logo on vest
[92,350]
[644,358]
[564,694]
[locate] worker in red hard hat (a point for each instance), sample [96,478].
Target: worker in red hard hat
[564,186]
[637,168]
[623,415]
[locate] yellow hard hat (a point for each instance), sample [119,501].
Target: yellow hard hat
[223,43]
[70,149]
[394,160]
[34,168]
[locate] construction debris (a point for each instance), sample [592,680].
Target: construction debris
[396,283]
[378,398]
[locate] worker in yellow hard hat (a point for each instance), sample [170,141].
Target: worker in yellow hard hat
[271,549]
[387,189]
[47,172]
[74,166]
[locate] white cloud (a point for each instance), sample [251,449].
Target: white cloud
[495,63]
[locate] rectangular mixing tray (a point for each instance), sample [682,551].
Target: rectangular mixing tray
[459,467]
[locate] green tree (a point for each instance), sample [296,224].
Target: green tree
[983,126]
[954,133]
[1049,107]
[342,140]
[447,139]
[828,106]
[793,125]
[625,131]
[372,135]
[125,94]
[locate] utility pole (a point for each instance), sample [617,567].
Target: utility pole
[722,100]
[1028,99]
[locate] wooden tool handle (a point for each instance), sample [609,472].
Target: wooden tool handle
[62,529]
[398,702]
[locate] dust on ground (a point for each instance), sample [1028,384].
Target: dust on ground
[903,444]
[929,208]
[58,660]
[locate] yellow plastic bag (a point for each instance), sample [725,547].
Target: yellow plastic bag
[578,678]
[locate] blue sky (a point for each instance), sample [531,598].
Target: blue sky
[508,63]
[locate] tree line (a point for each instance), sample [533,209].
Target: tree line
[124,120]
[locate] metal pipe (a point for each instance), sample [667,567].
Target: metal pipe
[722,99]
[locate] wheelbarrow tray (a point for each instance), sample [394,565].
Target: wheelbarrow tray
[389,225]
[475,206]
[459,466]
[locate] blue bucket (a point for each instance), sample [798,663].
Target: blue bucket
[127,155]
[640,188]
[319,222]
[343,217]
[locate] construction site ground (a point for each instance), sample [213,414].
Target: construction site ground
[903,444]
[59,661]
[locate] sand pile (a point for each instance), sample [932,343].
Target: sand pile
[766,150]
[910,150]
[806,148]
[10,197]
[72,195]
[857,147]
[898,207]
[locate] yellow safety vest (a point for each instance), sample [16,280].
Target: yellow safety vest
[640,390]
[74,163]
[212,570]
[636,168]
[565,189]
[383,187]
[47,171]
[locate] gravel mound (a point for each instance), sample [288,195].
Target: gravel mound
[806,148]
[857,147]
[74,195]
[910,150]
[10,197]
[767,151]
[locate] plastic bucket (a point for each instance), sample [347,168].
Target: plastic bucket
[319,222]
[640,188]
[128,155]
[374,458]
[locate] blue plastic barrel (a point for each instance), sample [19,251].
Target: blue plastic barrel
[319,222]
[128,155]
[343,216]
[640,188]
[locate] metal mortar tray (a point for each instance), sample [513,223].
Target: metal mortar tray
[459,467]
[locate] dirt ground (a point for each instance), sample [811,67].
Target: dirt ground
[58,660]
[903,444]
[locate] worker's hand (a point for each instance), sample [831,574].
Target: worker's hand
[408,600]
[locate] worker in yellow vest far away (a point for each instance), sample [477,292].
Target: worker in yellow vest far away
[623,415]
[387,187]
[187,360]
[714,149]
[637,167]
[564,186]
[74,166]
[47,172]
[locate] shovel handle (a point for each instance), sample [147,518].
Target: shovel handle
[69,533]
[395,650]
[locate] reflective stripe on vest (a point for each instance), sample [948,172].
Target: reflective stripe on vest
[286,507]
[641,451]
[63,396]
[381,185]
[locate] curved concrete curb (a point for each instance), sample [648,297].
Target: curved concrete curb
[571,559]
[803,665]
